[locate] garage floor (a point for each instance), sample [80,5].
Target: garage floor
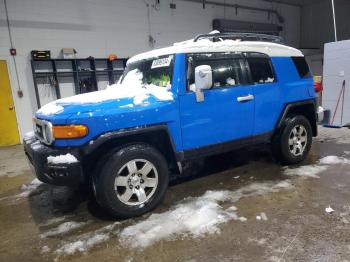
[240,206]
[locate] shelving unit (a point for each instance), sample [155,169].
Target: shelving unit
[56,78]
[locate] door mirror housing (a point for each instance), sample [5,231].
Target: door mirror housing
[203,77]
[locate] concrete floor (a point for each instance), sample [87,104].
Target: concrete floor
[297,227]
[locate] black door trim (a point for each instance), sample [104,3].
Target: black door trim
[226,146]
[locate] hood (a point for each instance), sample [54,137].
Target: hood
[111,98]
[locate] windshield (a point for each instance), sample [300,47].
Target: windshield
[157,71]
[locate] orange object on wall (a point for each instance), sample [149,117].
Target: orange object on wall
[112,57]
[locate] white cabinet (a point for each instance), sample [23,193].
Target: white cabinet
[336,69]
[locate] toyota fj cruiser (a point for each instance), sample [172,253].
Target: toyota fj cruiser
[212,94]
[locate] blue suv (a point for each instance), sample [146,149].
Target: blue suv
[200,97]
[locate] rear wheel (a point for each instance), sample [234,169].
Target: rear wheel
[132,181]
[293,142]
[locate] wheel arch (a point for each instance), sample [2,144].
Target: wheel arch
[306,108]
[157,136]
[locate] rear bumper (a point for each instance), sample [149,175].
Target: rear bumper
[320,114]
[67,174]
[323,115]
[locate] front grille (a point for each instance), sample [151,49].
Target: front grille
[39,131]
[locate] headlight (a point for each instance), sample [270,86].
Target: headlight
[69,131]
[48,133]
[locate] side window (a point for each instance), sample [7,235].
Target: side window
[226,69]
[302,66]
[261,68]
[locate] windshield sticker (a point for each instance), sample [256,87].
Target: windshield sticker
[162,62]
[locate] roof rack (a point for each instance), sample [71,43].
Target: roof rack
[242,36]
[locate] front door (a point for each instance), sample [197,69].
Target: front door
[8,123]
[226,114]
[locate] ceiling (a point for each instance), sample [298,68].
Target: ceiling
[296,2]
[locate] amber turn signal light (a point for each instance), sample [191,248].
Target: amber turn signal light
[69,131]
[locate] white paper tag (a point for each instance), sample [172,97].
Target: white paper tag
[161,62]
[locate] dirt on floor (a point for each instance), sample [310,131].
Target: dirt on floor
[240,206]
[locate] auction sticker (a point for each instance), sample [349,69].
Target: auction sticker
[162,62]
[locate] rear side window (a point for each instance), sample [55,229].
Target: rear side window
[302,66]
[260,68]
[226,68]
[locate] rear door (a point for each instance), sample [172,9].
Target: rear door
[227,111]
[266,90]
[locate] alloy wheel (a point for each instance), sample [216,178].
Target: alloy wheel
[136,182]
[297,140]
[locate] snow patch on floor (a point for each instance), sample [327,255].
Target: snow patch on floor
[45,249]
[260,242]
[314,170]
[305,171]
[262,216]
[53,221]
[333,160]
[329,210]
[62,159]
[26,189]
[64,228]
[82,245]
[86,241]
[194,216]
[29,188]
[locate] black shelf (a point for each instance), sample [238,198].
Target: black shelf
[83,80]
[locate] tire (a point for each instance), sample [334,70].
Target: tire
[140,175]
[293,141]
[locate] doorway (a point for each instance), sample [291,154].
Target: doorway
[8,122]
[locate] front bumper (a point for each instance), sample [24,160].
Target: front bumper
[67,174]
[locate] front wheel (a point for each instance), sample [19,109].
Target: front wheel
[292,144]
[132,182]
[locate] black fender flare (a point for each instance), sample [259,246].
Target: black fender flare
[290,107]
[124,136]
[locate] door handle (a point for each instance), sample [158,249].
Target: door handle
[245,98]
[11,107]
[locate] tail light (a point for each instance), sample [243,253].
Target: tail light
[318,84]
[318,87]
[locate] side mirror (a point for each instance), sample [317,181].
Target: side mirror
[203,77]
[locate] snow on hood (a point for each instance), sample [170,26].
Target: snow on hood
[131,87]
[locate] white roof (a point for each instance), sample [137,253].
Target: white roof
[205,45]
